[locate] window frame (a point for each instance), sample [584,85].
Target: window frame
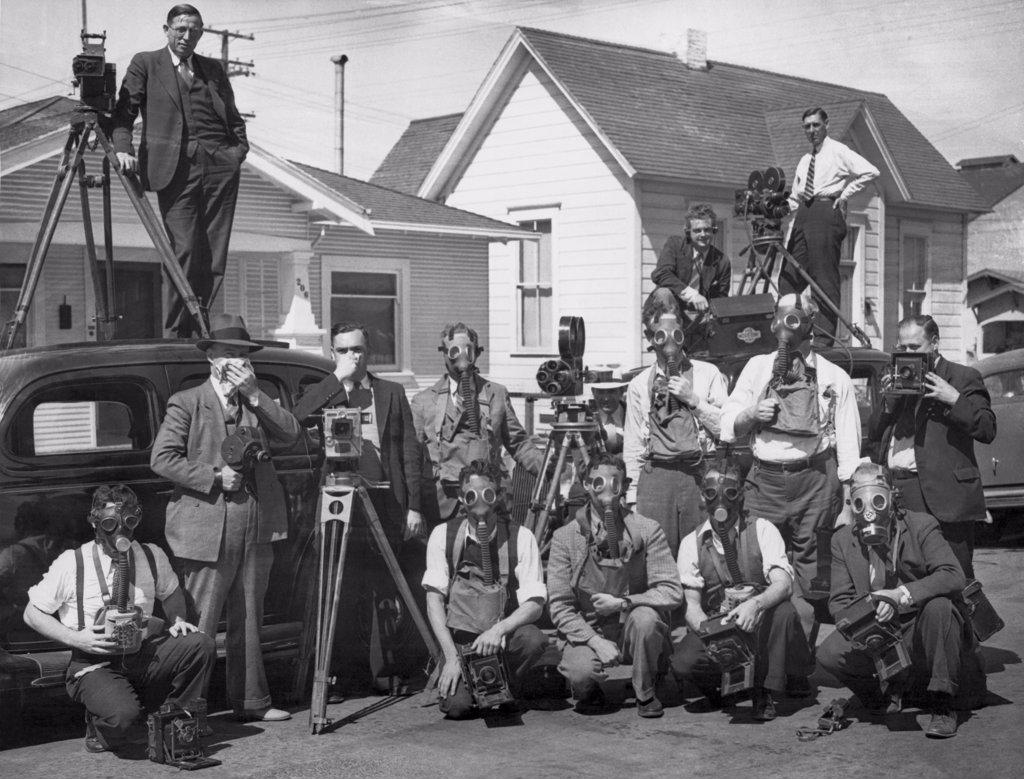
[521,215]
[23,332]
[922,233]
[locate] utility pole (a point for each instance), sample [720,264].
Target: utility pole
[233,67]
[339,61]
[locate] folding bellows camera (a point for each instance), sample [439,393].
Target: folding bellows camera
[859,625]
[486,676]
[908,370]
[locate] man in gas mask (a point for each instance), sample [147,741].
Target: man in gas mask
[901,558]
[114,580]
[735,564]
[465,417]
[673,411]
[485,587]
[801,415]
[611,584]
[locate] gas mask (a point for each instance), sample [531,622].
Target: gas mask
[115,526]
[792,326]
[666,339]
[479,497]
[218,369]
[722,491]
[872,501]
[460,354]
[605,488]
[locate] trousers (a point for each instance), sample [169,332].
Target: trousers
[671,496]
[959,535]
[816,243]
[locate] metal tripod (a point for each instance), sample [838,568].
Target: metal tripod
[338,495]
[764,264]
[575,437]
[70,169]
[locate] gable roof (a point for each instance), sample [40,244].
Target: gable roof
[409,160]
[712,126]
[28,121]
[993,178]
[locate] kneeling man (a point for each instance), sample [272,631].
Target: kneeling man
[736,565]
[485,588]
[611,584]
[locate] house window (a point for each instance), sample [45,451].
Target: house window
[914,257]
[10,287]
[847,281]
[533,288]
[370,299]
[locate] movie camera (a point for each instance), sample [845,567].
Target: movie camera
[565,375]
[906,373]
[243,449]
[95,78]
[174,735]
[486,677]
[730,648]
[765,196]
[859,625]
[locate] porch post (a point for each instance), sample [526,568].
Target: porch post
[299,328]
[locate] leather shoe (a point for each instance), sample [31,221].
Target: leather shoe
[263,715]
[764,705]
[92,739]
[943,723]
[593,703]
[650,709]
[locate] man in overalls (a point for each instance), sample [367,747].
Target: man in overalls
[735,564]
[485,587]
[464,417]
[673,411]
[611,584]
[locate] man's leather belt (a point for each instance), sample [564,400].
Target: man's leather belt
[902,473]
[808,200]
[678,464]
[794,466]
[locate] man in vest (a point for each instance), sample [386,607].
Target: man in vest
[113,685]
[900,558]
[192,147]
[485,587]
[735,564]
[464,417]
[800,413]
[610,412]
[673,411]
[611,584]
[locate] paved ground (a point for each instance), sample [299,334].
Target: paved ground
[381,736]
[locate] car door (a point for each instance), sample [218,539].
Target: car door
[1000,462]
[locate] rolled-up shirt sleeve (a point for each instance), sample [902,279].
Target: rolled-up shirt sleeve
[528,569]
[437,575]
[743,395]
[687,559]
[166,579]
[773,549]
[57,587]
[633,442]
[847,423]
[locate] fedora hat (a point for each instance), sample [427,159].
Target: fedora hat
[228,329]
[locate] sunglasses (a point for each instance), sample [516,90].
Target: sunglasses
[598,483]
[109,521]
[488,496]
[660,337]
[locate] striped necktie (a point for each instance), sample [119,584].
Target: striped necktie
[809,186]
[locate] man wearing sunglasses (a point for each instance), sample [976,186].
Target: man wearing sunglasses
[611,585]
[465,417]
[673,411]
[485,587]
[172,664]
[735,564]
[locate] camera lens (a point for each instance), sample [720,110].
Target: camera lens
[488,675]
[906,372]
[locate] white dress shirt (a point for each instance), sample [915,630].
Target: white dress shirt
[189,65]
[781,447]
[712,391]
[773,550]
[528,569]
[838,171]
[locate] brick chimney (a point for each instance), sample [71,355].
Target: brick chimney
[696,49]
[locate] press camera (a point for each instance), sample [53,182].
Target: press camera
[174,735]
[907,371]
[343,434]
[486,676]
[881,640]
[765,196]
[985,622]
[730,648]
[95,78]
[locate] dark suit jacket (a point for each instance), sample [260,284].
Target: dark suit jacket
[675,266]
[399,449]
[944,439]
[186,451]
[925,563]
[150,86]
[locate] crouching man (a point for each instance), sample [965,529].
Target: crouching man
[611,584]
[485,589]
[114,579]
[735,565]
[901,560]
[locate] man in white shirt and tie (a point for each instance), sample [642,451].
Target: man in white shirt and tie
[826,178]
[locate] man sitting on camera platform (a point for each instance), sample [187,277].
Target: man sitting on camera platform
[611,584]
[485,589]
[673,411]
[900,560]
[464,417]
[735,565]
[927,433]
[689,266]
[222,520]
[110,678]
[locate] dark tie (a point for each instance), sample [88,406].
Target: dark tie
[879,569]
[809,186]
[905,420]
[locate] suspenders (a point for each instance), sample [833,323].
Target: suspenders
[80,578]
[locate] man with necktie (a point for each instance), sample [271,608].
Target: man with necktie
[191,150]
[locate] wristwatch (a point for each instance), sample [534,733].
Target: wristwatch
[627,604]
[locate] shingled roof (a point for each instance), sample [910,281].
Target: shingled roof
[28,121]
[409,160]
[716,125]
[994,178]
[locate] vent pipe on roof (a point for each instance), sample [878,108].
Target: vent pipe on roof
[339,61]
[696,49]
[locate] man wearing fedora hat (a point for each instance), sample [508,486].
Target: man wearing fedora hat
[220,524]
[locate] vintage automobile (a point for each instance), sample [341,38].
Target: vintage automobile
[75,416]
[1000,462]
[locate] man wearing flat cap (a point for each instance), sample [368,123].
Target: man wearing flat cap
[220,521]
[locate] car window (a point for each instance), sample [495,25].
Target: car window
[1007,384]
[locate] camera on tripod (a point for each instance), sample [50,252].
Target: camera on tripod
[243,448]
[343,434]
[95,78]
[859,625]
[906,373]
[765,196]
[565,376]
[486,676]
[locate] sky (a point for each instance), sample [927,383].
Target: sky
[954,67]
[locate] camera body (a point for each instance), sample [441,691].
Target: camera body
[985,622]
[907,371]
[124,628]
[765,196]
[243,449]
[343,434]
[565,376]
[881,640]
[732,650]
[95,78]
[486,676]
[174,735]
